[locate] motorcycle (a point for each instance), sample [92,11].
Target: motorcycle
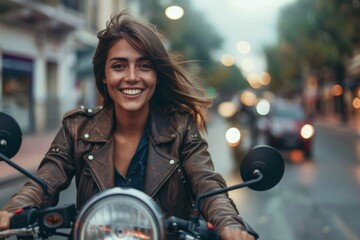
[119,213]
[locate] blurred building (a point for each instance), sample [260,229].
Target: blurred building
[46,48]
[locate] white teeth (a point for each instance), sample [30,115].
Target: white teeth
[131,91]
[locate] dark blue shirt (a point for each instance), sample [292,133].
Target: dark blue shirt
[135,176]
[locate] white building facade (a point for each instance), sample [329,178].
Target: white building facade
[46,49]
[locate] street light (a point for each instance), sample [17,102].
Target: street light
[174,12]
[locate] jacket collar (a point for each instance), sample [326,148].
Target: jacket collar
[101,128]
[160,127]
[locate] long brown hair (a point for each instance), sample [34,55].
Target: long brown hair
[174,85]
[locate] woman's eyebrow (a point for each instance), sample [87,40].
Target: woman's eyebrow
[142,58]
[118,59]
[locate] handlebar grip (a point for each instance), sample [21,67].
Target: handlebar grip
[23,219]
[174,222]
[195,228]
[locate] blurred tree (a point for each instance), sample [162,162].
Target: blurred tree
[227,80]
[194,38]
[191,36]
[283,67]
[314,36]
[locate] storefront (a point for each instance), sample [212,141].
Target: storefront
[85,77]
[16,86]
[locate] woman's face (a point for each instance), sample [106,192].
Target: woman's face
[130,78]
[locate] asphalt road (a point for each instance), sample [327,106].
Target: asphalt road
[317,199]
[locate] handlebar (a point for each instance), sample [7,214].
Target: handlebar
[195,228]
[177,228]
[33,223]
[19,232]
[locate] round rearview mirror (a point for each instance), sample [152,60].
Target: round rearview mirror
[10,135]
[268,161]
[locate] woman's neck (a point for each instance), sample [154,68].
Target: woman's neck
[130,123]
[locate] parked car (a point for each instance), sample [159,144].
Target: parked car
[287,127]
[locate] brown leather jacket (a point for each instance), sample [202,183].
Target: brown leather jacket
[84,147]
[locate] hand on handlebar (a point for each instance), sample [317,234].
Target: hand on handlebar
[235,233]
[5,220]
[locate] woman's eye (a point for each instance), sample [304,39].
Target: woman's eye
[118,66]
[145,66]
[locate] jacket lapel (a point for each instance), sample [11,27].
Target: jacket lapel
[100,158]
[159,168]
[160,165]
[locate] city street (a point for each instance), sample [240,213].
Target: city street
[316,199]
[282,73]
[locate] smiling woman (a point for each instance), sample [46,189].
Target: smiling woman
[145,136]
[130,79]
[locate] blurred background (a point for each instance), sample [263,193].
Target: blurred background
[285,73]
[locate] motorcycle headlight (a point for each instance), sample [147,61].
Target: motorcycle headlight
[120,214]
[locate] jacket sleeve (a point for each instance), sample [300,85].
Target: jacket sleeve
[56,169]
[219,209]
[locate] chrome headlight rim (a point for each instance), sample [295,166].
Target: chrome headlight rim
[145,201]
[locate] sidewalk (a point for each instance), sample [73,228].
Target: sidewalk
[351,126]
[31,152]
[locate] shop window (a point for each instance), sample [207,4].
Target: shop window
[16,89]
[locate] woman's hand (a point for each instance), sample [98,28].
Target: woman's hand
[5,220]
[235,233]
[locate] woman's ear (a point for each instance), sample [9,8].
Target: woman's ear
[104,80]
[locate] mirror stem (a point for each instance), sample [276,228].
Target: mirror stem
[39,181]
[258,178]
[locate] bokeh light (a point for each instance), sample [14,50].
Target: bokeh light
[227,109]
[263,107]
[174,12]
[265,78]
[243,47]
[233,136]
[296,156]
[227,60]
[248,98]
[307,131]
[253,80]
[356,103]
[337,90]
[247,64]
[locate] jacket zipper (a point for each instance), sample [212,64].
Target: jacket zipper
[186,184]
[165,180]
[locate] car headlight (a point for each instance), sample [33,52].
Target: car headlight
[307,131]
[120,214]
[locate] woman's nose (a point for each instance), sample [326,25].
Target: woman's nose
[132,74]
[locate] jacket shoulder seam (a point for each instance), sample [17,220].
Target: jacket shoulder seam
[82,111]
